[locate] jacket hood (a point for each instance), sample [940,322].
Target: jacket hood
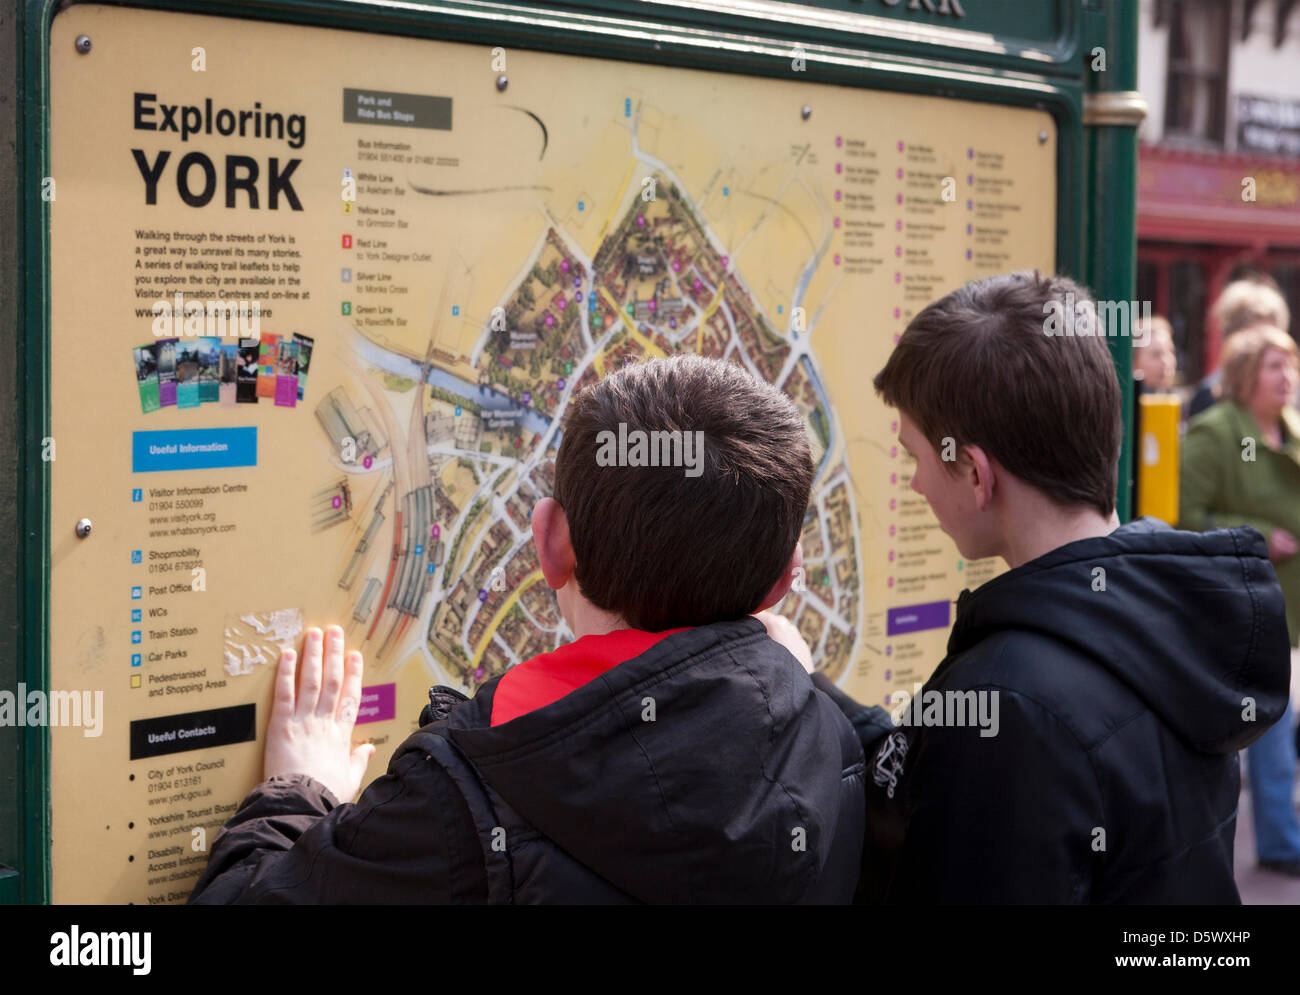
[1194,623]
[680,775]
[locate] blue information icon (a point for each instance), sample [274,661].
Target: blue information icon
[135,659]
[135,636]
[137,593]
[137,495]
[135,556]
[419,549]
[431,570]
[135,614]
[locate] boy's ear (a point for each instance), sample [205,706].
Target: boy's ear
[779,590]
[554,548]
[981,471]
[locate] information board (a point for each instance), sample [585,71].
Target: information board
[320,299]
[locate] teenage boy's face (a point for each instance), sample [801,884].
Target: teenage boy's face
[948,491]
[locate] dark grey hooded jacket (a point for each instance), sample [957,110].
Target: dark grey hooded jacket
[1128,671]
[747,787]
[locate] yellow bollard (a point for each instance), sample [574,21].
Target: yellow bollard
[1158,442]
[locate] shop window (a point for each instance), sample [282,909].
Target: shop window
[1196,91]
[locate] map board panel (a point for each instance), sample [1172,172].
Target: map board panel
[429,267]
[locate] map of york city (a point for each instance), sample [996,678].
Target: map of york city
[441,559]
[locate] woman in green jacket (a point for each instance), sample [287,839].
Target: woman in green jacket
[1241,466]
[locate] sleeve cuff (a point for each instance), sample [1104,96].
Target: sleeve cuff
[283,784]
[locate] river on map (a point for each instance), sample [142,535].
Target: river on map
[487,398]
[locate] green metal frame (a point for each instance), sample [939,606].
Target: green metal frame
[845,49]
[861,24]
[1110,232]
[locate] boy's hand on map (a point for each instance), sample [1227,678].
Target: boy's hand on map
[311,719]
[784,632]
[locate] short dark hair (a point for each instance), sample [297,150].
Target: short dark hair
[663,549]
[981,367]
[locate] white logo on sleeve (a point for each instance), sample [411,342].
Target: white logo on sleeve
[889,762]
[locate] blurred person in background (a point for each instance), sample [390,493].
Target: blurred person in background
[1241,466]
[1246,303]
[1155,363]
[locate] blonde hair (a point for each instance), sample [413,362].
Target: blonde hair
[1243,355]
[1244,303]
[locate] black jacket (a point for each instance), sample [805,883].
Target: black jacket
[1129,670]
[747,786]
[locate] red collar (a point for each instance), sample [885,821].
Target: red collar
[548,677]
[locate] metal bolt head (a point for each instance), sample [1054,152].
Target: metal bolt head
[502,82]
[806,112]
[1042,138]
[83,44]
[83,528]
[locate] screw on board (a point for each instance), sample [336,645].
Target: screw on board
[1042,138]
[806,112]
[83,528]
[83,44]
[502,82]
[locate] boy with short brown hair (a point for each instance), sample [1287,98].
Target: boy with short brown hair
[1122,666]
[673,752]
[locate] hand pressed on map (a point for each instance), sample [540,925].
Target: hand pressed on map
[310,731]
[784,632]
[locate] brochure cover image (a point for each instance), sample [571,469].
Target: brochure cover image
[187,374]
[209,369]
[266,365]
[246,379]
[165,350]
[146,376]
[305,346]
[286,375]
[229,374]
